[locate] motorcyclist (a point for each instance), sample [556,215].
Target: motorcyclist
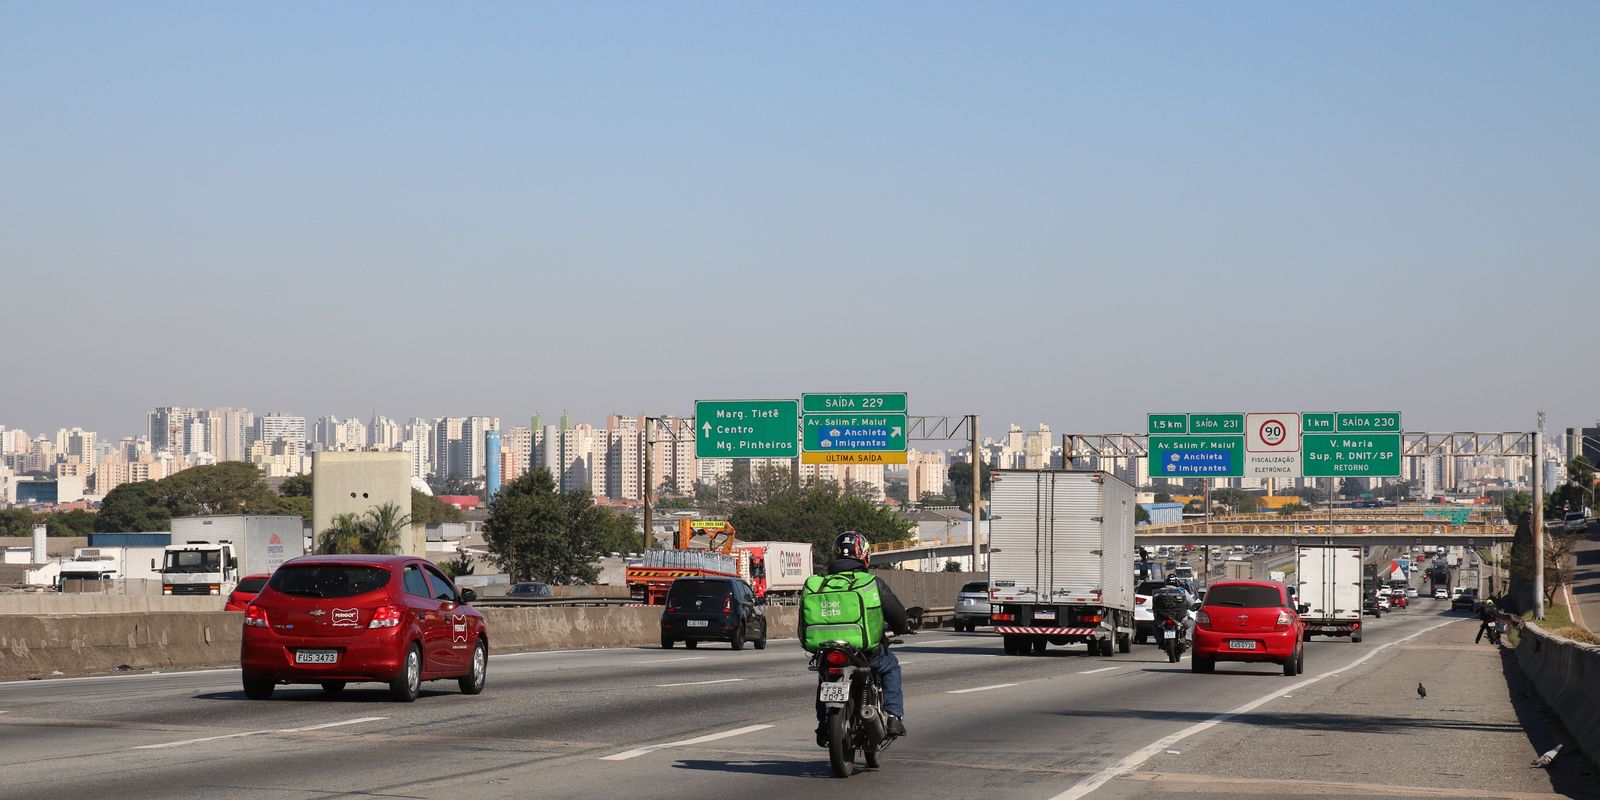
[1185,624]
[850,555]
[1487,619]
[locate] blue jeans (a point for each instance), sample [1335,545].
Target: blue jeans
[894,693]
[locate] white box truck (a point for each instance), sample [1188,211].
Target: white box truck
[209,555]
[1329,581]
[779,568]
[1059,546]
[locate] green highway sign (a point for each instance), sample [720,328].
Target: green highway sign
[1383,422]
[1230,424]
[1197,456]
[1168,423]
[853,433]
[1336,455]
[858,402]
[747,428]
[1455,516]
[1316,423]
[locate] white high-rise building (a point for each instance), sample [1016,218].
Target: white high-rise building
[419,443]
[273,426]
[384,434]
[169,428]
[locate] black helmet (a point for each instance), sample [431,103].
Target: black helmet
[850,544]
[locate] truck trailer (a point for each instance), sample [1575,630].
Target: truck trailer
[1329,580]
[1059,546]
[209,555]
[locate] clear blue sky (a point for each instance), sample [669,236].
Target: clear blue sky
[1066,212]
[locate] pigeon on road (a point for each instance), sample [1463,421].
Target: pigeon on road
[1545,758]
[1422,691]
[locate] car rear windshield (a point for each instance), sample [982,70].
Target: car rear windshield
[1245,597]
[328,580]
[975,587]
[684,591]
[252,585]
[1149,587]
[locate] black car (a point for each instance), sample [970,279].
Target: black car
[529,589]
[713,610]
[1369,605]
[1466,601]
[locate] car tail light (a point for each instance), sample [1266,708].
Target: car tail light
[727,604]
[255,616]
[1138,601]
[834,658]
[1283,618]
[1202,619]
[385,617]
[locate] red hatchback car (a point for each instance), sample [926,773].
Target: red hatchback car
[334,620]
[1249,621]
[249,586]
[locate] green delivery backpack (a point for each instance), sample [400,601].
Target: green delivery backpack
[843,607]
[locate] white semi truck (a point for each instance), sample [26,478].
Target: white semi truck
[209,555]
[1330,583]
[1059,546]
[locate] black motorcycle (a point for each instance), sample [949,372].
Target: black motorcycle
[852,693]
[1171,610]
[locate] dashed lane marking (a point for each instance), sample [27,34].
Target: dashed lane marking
[671,660]
[1093,671]
[710,737]
[981,688]
[165,745]
[698,683]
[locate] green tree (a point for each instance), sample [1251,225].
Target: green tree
[1351,488]
[952,566]
[231,487]
[1240,501]
[1163,497]
[1140,514]
[381,528]
[816,514]
[428,510]
[462,564]
[343,537]
[133,507]
[296,486]
[960,477]
[1293,508]
[536,533]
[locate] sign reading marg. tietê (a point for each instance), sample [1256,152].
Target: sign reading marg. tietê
[747,428]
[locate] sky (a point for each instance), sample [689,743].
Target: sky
[1071,213]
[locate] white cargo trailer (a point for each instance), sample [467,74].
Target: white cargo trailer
[209,555]
[1330,590]
[783,565]
[1059,546]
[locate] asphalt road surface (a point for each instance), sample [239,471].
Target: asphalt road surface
[711,723]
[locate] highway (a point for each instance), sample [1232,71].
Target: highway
[712,723]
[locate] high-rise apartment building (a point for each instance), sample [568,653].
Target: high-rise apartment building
[168,428]
[384,434]
[419,443]
[273,426]
[228,433]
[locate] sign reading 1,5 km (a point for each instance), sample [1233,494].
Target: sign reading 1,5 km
[746,428]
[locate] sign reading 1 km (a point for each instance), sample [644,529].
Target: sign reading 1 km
[746,428]
[854,428]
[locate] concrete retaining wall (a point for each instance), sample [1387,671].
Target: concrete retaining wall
[1567,675]
[33,645]
[50,603]
[927,589]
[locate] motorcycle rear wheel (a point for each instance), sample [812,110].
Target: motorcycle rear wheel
[841,751]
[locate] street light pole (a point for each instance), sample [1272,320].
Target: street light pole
[977,490]
[1538,520]
[649,481]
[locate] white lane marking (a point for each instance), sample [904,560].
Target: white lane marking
[1137,758]
[981,688]
[670,660]
[710,737]
[1093,671]
[698,683]
[165,745]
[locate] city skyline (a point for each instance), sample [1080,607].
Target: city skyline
[1091,213]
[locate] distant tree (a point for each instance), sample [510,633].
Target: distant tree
[816,514]
[296,486]
[1307,493]
[1140,514]
[230,487]
[462,564]
[133,507]
[952,566]
[343,537]
[1351,488]
[1293,508]
[1163,497]
[1559,548]
[1240,501]
[960,478]
[536,533]
[428,510]
[381,528]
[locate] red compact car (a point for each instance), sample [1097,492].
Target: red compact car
[334,620]
[249,586]
[1249,621]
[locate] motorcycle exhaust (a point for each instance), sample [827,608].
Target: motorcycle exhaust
[876,725]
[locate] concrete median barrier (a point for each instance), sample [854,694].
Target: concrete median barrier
[37,645]
[1567,675]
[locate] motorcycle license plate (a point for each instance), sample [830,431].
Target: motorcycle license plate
[1241,644]
[316,656]
[697,623]
[837,692]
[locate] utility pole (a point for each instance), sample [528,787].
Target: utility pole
[1206,578]
[1538,520]
[977,490]
[649,479]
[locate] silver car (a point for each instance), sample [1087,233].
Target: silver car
[972,606]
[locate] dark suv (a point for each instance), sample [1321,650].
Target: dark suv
[713,610]
[1467,600]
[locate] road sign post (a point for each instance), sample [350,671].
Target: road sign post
[747,428]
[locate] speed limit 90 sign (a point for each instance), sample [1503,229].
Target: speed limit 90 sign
[1272,433]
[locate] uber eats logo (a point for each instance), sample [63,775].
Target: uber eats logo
[831,607]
